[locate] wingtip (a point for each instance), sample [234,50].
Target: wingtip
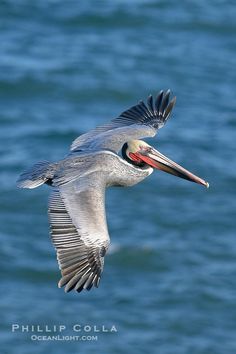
[59,284]
[168,92]
[174,100]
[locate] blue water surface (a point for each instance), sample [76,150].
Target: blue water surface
[169,279]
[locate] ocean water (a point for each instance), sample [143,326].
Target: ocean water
[169,280]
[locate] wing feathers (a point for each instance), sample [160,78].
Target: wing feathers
[150,103]
[164,102]
[169,108]
[152,115]
[158,102]
[81,264]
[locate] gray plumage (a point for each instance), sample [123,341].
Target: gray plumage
[76,205]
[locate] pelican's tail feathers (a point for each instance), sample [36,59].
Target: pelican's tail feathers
[40,173]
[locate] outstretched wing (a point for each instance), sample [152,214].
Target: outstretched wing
[79,231]
[139,121]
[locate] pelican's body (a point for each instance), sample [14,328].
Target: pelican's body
[76,205]
[115,170]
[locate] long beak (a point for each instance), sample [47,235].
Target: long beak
[157,160]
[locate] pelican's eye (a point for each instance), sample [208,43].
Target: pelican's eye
[145,148]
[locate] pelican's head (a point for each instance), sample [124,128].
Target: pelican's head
[140,154]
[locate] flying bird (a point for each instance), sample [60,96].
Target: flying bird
[109,155]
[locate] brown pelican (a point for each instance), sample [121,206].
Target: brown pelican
[76,206]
